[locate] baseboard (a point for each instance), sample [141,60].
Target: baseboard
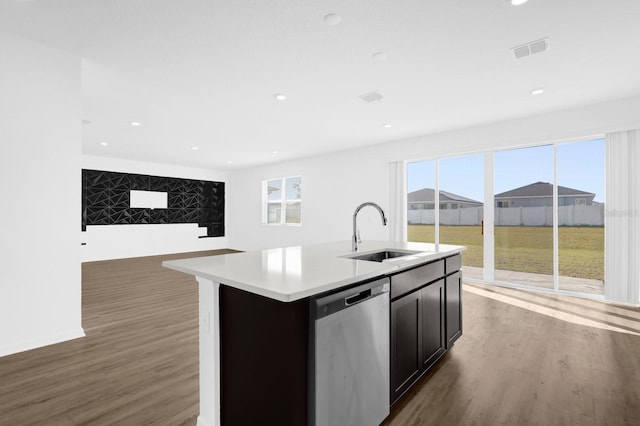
[50,339]
[203,422]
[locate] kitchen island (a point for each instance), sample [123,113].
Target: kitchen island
[254,318]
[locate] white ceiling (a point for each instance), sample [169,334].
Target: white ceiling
[203,72]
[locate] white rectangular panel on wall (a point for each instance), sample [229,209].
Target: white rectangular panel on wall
[148,199]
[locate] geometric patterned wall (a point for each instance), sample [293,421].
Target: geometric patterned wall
[105,200]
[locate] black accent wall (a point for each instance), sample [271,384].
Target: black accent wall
[105,200]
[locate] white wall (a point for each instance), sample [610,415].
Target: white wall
[40,115]
[571,124]
[333,185]
[121,241]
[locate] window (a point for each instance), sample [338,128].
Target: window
[421,189]
[462,177]
[581,230]
[458,223]
[547,205]
[523,237]
[281,200]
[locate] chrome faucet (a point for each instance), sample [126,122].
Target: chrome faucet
[356,234]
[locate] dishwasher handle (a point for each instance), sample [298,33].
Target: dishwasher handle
[364,295]
[332,303]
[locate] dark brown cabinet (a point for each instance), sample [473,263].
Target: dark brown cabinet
[258,332]
[405,343]
[454,307]
[417,335]
[264,353]
[432,304]
[425,319]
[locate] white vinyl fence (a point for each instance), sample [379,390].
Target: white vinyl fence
[515,216]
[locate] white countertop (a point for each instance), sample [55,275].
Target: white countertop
[293,273]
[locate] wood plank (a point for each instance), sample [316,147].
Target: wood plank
[137,365]
[515,363]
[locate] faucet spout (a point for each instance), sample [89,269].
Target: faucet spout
[355,239]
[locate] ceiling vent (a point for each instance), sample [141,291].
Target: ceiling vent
[370,97]
[530,48]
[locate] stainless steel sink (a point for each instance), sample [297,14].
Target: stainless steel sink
[380,256]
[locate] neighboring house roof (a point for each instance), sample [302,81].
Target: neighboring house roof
[426,195]
[542,189]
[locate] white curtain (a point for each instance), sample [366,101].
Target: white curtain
[397,201]
[622,216]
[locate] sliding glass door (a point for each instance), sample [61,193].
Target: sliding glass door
[523,216]
[421,201]
[581,216]
[547,205]
[461,213]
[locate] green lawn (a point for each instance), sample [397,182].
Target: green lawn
[527,248]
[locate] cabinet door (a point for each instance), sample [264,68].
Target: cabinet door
[433,325]
[405,343]
[453,288]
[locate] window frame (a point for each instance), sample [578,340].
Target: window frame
[283,201]
[492,205]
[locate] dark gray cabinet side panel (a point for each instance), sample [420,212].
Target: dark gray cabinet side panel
[264,356]
[405,343]
[453,286]
[433,323]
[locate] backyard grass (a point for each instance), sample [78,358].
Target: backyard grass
[527,248]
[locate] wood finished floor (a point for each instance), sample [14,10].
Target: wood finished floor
[529,359]
[137,365]
[524,359]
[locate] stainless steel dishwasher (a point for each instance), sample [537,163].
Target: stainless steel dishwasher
[351,382]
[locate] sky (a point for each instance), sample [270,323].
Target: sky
[580,166]
[292,188]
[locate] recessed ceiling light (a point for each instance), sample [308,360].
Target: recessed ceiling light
[280,96]
[275,152]
[104,143]
[229,162]
[386,126]
[537,91]
[134,123]
[332,19]
[195,148]
[517,2]
[379,56]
